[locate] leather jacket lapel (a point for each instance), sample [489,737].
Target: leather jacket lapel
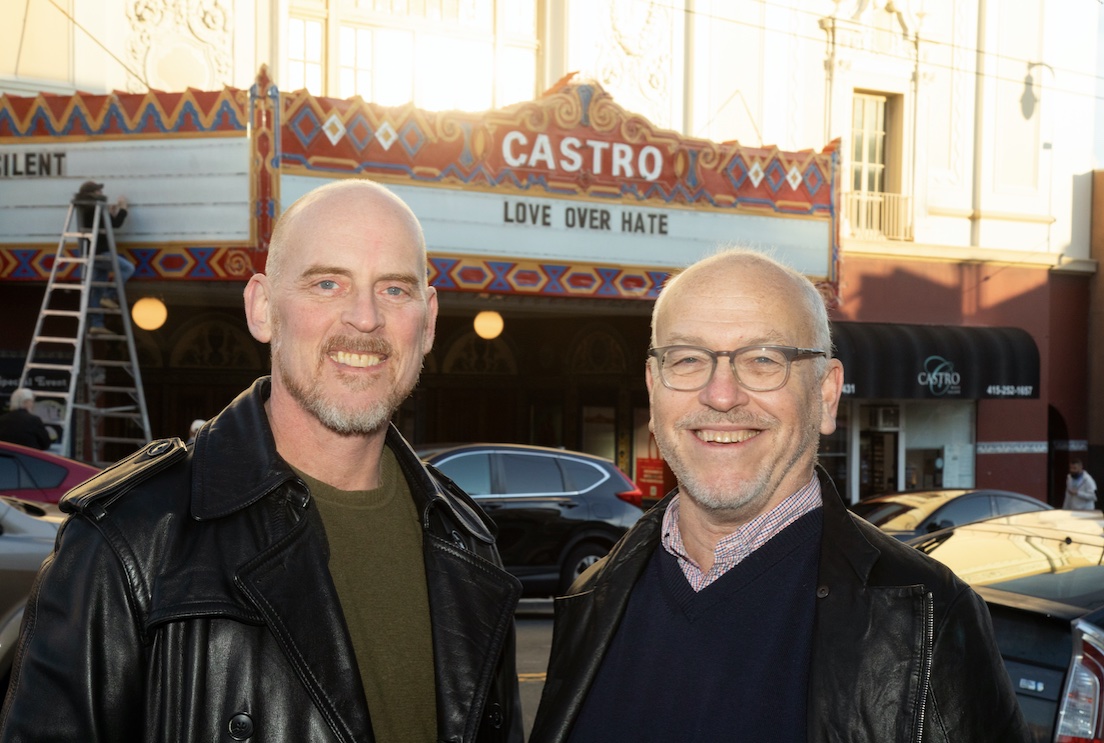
[471,604]
[291,586]
[588,621]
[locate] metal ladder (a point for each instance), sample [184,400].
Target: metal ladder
[93,377]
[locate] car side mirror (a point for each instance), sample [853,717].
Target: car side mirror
[937,525]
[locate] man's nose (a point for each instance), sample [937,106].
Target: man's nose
[362,312]
[723,392]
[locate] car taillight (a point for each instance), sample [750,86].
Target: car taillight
[634,497]
[1081,717]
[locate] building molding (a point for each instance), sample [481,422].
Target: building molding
[1012,447]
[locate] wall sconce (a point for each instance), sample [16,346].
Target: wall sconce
[149,313]
[488,324]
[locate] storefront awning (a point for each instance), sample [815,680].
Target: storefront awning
[889,360]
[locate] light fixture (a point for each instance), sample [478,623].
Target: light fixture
[149,313]
[488,324]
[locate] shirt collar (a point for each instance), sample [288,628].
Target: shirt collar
[735,547]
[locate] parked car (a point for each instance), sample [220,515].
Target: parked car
[914,513]
[557,511]
[27,533]
[37,475]
[1042,575]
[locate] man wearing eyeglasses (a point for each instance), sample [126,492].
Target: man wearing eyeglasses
[749,604]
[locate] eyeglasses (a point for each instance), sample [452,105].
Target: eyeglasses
[757,368]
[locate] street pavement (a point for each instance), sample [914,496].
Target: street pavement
[534,639]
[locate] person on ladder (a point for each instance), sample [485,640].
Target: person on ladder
[108,298]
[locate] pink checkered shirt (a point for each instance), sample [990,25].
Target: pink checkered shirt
[734,548]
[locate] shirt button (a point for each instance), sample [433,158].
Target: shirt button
[241,726]
[494,716]
[822,592]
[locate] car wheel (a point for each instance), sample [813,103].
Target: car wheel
[578,560]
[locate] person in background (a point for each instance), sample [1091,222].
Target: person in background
[20,425]
[750,604]
[102,297]
[298,574]
[193,429]
[1080,488]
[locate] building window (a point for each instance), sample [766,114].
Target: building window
[304,62]
[377,64]
[439,54]
[868,140]
[875,208]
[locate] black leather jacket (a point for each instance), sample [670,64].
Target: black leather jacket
[189,599]
[902,649]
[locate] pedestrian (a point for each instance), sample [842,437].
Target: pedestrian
[749,604]
[193,429]
[20,425]
[1080,488]
[102,297]
[297,575]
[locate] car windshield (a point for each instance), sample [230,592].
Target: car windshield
[1055,557]
[901,512]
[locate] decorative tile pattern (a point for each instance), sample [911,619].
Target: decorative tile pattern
[574,141]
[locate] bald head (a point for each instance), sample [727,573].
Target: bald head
[332,202]
[713,274]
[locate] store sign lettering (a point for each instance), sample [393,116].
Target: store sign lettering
[32,164]
[572,155]
[574,217]
[940,377]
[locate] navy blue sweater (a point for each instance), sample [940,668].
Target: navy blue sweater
[728,663]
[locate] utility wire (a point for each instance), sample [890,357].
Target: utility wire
[924,41]
[19,49]
[86,32]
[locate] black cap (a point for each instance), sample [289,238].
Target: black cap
[90,190]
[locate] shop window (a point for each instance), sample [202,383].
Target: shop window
[924,469]
[939,444]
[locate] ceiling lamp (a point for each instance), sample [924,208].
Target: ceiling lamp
[488,324]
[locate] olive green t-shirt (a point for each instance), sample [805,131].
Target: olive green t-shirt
[377,566]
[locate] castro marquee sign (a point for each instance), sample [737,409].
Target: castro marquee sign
[569,177]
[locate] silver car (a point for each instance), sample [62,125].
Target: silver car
[27,534]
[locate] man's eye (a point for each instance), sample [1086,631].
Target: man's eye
[396,291]
[327,285]
[687,361]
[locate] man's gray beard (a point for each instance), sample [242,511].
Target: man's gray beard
[345,422]
[330,414]
[735,495]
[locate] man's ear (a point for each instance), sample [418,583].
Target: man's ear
[830,389]
[258,308]
[431,320]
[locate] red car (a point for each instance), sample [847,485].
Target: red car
[40,476]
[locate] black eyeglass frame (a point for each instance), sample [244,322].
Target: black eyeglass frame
[791,353]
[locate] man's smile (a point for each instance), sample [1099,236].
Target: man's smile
[726,437]
[358,360]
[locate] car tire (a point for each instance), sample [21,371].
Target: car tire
[578,560]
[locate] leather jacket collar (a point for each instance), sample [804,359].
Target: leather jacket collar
[232,469]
